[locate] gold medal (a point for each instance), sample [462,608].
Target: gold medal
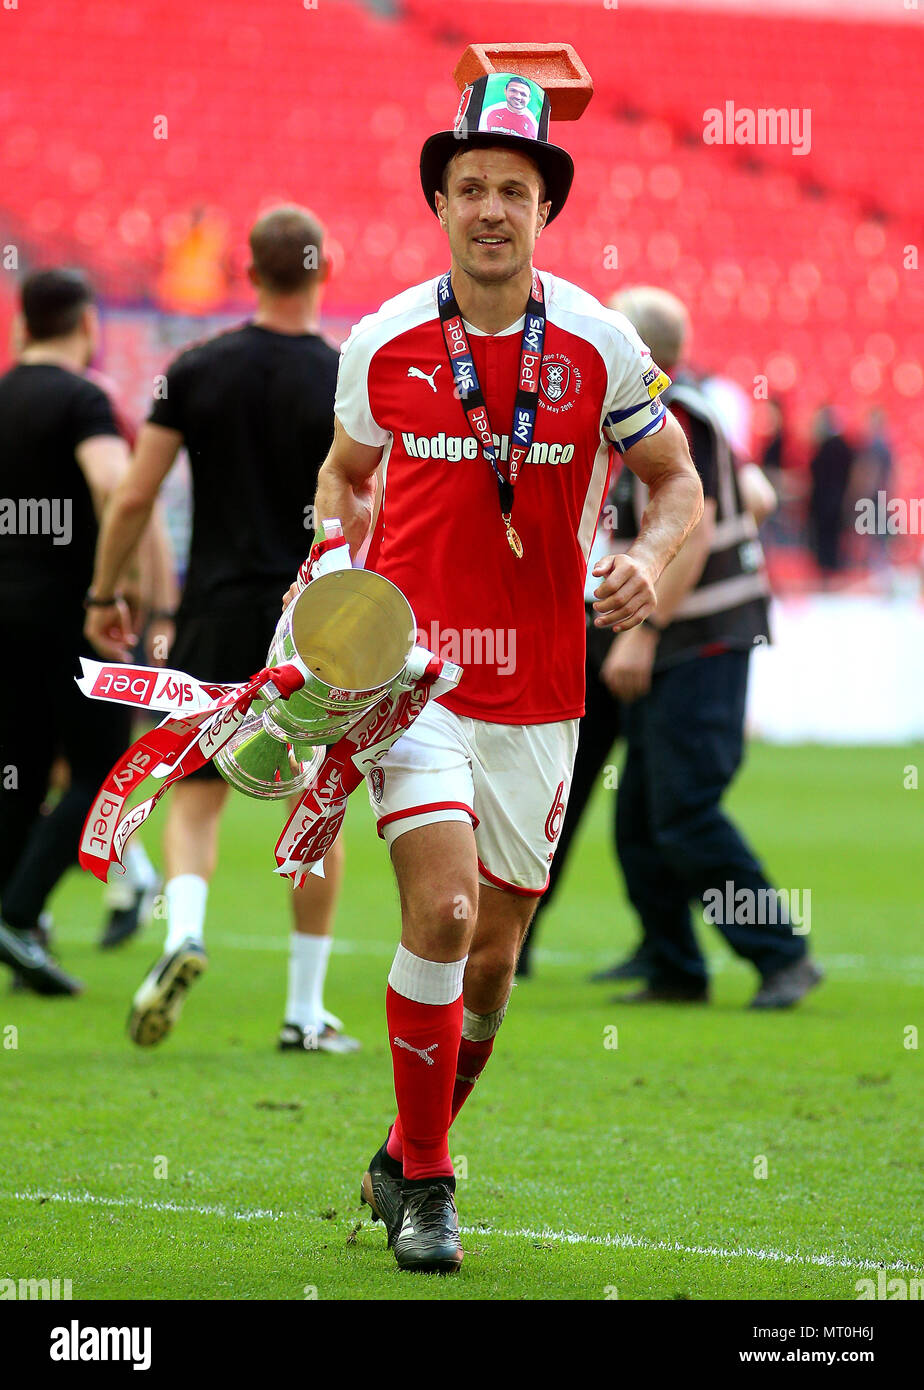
[513,540]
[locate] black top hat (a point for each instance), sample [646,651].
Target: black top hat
[503,109]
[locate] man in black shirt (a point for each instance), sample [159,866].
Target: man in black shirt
[682,679]
[61,455]
[254,408]
[674,687]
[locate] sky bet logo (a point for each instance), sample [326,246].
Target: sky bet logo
[455,335]
[533,336]
[521,426]
[482,426]
[529,374]
[112,683]
[464,369]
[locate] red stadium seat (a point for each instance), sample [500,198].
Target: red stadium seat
[781,256]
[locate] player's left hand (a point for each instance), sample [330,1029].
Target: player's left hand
[627,594]
[626,672]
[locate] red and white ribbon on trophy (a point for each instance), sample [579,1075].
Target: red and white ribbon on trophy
[202,717]
[315,823]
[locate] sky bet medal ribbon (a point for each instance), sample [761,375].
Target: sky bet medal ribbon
[459,351]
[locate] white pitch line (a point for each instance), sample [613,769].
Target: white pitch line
[718,962]
[625,1242]
[881,967]
[91,1199]
[615,1242]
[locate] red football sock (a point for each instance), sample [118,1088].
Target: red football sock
[424,1042]
[394,1146]
[471,1062]
[472,1059]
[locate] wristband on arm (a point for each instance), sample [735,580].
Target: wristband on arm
[91,601]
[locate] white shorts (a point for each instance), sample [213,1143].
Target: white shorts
[510,781]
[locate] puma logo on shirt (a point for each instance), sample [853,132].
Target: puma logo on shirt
[416,372]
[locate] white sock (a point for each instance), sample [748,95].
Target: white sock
[186,898]
[307,969]
[139,875]
[426,981]
[120,891]
[138,867]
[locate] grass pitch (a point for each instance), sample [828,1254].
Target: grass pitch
[214,1167]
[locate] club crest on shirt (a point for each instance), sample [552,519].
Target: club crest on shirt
[556,377]
[559,382]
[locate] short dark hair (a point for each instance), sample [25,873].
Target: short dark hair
[523,81]
[281,242]
[53,302]
[444,181]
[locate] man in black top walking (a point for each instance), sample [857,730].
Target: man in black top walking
[254,408]
[674,688]
[682,680]
[61,455]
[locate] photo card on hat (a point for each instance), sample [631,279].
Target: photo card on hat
[512,104]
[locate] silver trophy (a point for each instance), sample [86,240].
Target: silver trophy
[351,632]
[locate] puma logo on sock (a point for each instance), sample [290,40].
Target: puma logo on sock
[421,1052]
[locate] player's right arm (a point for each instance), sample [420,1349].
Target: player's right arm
[346,485]
[346,491]
[346,482]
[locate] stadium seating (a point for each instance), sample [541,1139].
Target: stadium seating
[795,267]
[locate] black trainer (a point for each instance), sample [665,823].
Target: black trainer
[42,934]
[665,994]
[381,1190]
[294,1038]
[634,967]
[787,986]
[123,922]
[428,1241]
[162,993]
[33,965]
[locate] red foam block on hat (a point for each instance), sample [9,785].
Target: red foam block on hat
[555,66]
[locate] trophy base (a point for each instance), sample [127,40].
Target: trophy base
[350,631]
[264,767]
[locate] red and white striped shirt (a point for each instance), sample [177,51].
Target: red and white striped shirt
[439,536]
